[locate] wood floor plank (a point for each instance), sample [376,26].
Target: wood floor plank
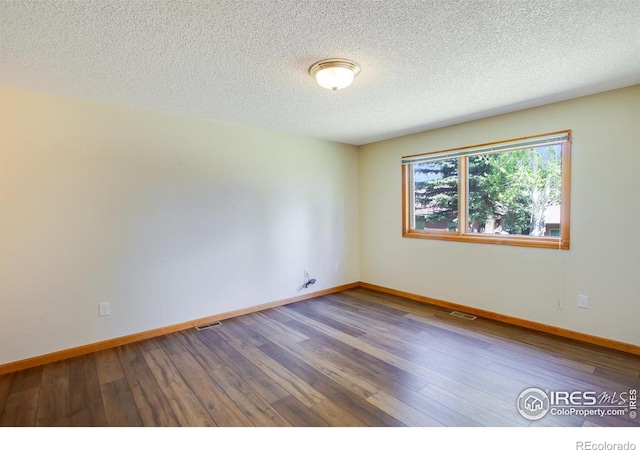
[445,322]
[382,374]
[184,403]
[357,314]
[86,405]
[405,364]
[147,345]
[265,386]
[598,356]
[254,338]
[324,314]
[371,363]
[406,327]
[394,407]
[424,352]
[414,363]
[298,414]
[357,406]
[21,408]
[360,305]
[432,374]
[119,405]
[577,380]
[409,330]
[532,381]
[491,328]
[438,411]
[368,363]
[377,372]
[480,328]
[456,401]
[448,336]
[108,366]
[362,297]
[482,385]
[401,411]
[297,387]
[402,304]
[621,377]
[256,408]
[21,405]
[246,319]
[203,354]
[153,407]
[335,415]
[535,356]
[5,388]
[171,345]
[54,407]
[220,407]
[279,329]
[27,379]
[484,380]
[370,320]
[349,380]
[276,314]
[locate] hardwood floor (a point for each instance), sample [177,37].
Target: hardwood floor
[356,358]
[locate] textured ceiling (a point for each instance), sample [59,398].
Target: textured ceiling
[424,64]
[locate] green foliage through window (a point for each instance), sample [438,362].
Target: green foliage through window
[508,189]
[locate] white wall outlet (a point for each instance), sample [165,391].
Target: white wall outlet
[104,309]
[583,301]
[336,266]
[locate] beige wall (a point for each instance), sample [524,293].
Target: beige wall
[604,260]
[167,218]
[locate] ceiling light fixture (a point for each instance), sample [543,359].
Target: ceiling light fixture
[334,73]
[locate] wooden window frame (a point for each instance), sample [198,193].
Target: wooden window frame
[561,243]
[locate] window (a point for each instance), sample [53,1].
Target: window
[514,192]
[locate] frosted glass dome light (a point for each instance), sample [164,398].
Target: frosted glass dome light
[334,73]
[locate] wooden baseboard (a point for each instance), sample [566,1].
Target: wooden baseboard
[110,343]
[562,332]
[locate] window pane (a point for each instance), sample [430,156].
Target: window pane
[435,195]
[516,192]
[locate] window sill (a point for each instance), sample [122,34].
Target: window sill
[520,241]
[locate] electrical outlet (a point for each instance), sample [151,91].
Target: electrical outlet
[336,266]
[104,309]
[583,301]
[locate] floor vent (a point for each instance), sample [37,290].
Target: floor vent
[463,315]
[206,326]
